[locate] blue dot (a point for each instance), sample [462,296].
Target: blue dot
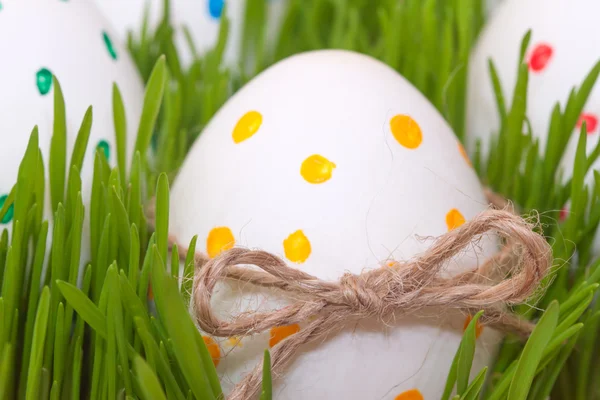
[9,214]
[215,8]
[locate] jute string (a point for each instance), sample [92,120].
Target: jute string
[510,277]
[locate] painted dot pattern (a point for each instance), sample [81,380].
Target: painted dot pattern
[540,57]
[219,239]
[9,213]
[247,126]
[478,326]
[109,46]
[454,219]
[213,349]
[297,247]
[43,81]
[104,147]
[282,332]
[406,131]
[591,122]
[215,8]
[412,394]
[317,169]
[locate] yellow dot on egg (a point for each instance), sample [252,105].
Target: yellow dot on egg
[413,394]
[463,152]
[235,341]
[316,169]
[213,349]
[406,131]
[454,219]
[282,332]
[219,239]
[247,126]
[297,247]
[478,326]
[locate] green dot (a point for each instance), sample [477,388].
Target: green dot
[43,80]
[9,214]
[105,148]
[109,46]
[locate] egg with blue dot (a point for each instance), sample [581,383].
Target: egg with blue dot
[201,17]
[335,163]
[72,41]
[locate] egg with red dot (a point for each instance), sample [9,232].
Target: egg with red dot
[562,50]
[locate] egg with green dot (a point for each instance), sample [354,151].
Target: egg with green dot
[72,42]
[202,18]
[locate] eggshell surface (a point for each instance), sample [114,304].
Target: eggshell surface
[334,162]
[201,17]
[71,40]
[563,49]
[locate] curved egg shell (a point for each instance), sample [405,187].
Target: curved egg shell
[564,47]
[201,17]
[334,162]
[71,40]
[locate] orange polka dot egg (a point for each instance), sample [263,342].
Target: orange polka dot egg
[87,59]
[335,163]
[563,49]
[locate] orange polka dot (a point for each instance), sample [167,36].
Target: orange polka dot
[247,126]
[463,152]
[281,332]
[219,239]
[316,169]
[213,349]
[478,326]
[413,394]
[454,219]
[297,247]
[406,131]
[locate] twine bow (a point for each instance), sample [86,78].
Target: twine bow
[510,277]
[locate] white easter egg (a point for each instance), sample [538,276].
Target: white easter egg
[333,161]
[71,40]
[491,6]
[201,17]
[563,49]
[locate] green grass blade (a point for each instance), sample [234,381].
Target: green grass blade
[267,385]
[472,392]
[152,101]
[120,123]
[37,348]
[181,330]
[58,147]
[467,352]
[148,382]
[84,307]
[532,353]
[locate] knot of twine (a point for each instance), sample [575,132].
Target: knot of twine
[508,278]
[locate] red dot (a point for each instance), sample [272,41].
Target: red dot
[563,214]
[541,55]
[591,122]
